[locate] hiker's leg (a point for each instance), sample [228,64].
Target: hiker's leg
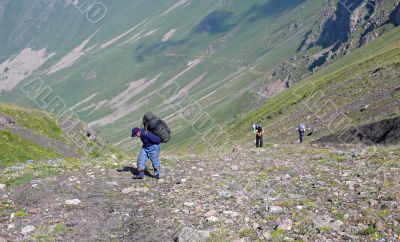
[257,142]
[154,155]
[301,137]
[141,162]
[261,141]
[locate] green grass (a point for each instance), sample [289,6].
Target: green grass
[21,214]
[33,119]
[14,150]
[278,234]
[248,233]
[369,231]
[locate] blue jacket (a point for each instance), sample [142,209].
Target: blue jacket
[148,138]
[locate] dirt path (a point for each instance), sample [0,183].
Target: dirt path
[271,194]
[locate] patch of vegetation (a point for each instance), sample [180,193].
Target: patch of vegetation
[14,149]
[220,234]
[19,180]
[369,231]
[248,233]
[278,234]
[38,121]
[285,203]
[324,229]
[21,214]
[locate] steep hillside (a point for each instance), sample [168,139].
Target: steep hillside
[355,99]
[183,59]
[33,135]
[198,64]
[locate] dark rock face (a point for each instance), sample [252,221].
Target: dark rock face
[337,29]
[383,132]
[395,15]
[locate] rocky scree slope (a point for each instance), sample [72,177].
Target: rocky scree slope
[303,193]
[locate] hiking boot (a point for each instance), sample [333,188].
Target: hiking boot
[139,176]
[156,174]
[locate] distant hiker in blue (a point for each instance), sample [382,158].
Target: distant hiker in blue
[150,150]
[302,129]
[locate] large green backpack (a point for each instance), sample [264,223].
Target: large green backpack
[157,126]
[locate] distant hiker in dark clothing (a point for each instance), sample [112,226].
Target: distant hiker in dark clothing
[259,136]
[150,150]
[302,129]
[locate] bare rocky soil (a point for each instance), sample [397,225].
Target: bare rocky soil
[279,193]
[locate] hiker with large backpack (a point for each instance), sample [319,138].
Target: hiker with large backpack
[155,131]
[259,135]
[301,128]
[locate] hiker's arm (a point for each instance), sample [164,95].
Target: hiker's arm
[153,137]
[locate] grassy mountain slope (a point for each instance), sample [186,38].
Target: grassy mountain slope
[217,53]
[28,134]
[360,89]
[192,62]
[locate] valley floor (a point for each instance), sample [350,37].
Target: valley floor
[280,193]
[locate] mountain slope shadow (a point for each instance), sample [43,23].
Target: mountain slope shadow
[271,8]
[385,132]
[215,23]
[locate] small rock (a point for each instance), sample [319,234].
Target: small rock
[267,235]
[286,225]
[34,211]
[161,181]
[72,202]
[210,213]
[128,190]
[27,229]
[198,209]
[34,185]
[365,108]
[188,204]
[142,189]
[231,213]
[112,183]
[275,209]
[11,226]
[379,225]
[256,225]
[299,207]
[72,179]
[212,219]
[189,234]
[3,186]
[113,157]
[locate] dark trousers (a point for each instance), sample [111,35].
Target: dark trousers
[301,134]
[259,141]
